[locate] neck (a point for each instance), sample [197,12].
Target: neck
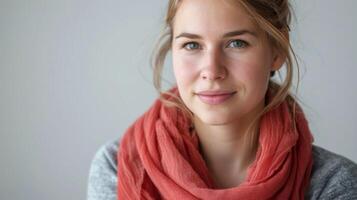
[225,151]
[225,143]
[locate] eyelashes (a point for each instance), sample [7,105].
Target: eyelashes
[191,46]
[236,44]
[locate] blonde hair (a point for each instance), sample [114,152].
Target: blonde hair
[273,17]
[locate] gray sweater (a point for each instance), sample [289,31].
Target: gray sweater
[333,176]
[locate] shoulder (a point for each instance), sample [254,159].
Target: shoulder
[333,176]
[102,180]
[106,156]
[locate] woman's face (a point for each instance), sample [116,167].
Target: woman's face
[221,61]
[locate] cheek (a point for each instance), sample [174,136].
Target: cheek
[184,69]
[257,74]
[253,73]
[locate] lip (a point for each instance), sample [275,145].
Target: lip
[215,97]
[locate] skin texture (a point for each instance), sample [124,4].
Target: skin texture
[205,60]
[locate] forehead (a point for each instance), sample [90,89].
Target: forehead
[211,16]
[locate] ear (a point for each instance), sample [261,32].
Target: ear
[279,57]
[278,61]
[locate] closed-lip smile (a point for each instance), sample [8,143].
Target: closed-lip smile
[215,97]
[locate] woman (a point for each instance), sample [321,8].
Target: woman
[227,131]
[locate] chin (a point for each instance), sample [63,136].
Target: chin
[214,119]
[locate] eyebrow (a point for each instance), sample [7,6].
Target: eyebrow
[229,34]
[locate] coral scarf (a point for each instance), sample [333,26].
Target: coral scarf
[159,158]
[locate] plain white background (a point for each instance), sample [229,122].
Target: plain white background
[76,74]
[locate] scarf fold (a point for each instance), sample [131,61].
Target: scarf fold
[159,158]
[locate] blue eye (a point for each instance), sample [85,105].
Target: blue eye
[237,44]
[191,46]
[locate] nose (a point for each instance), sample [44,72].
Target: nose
[212,66]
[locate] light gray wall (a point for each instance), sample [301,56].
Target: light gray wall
[325,40]
[75,74]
